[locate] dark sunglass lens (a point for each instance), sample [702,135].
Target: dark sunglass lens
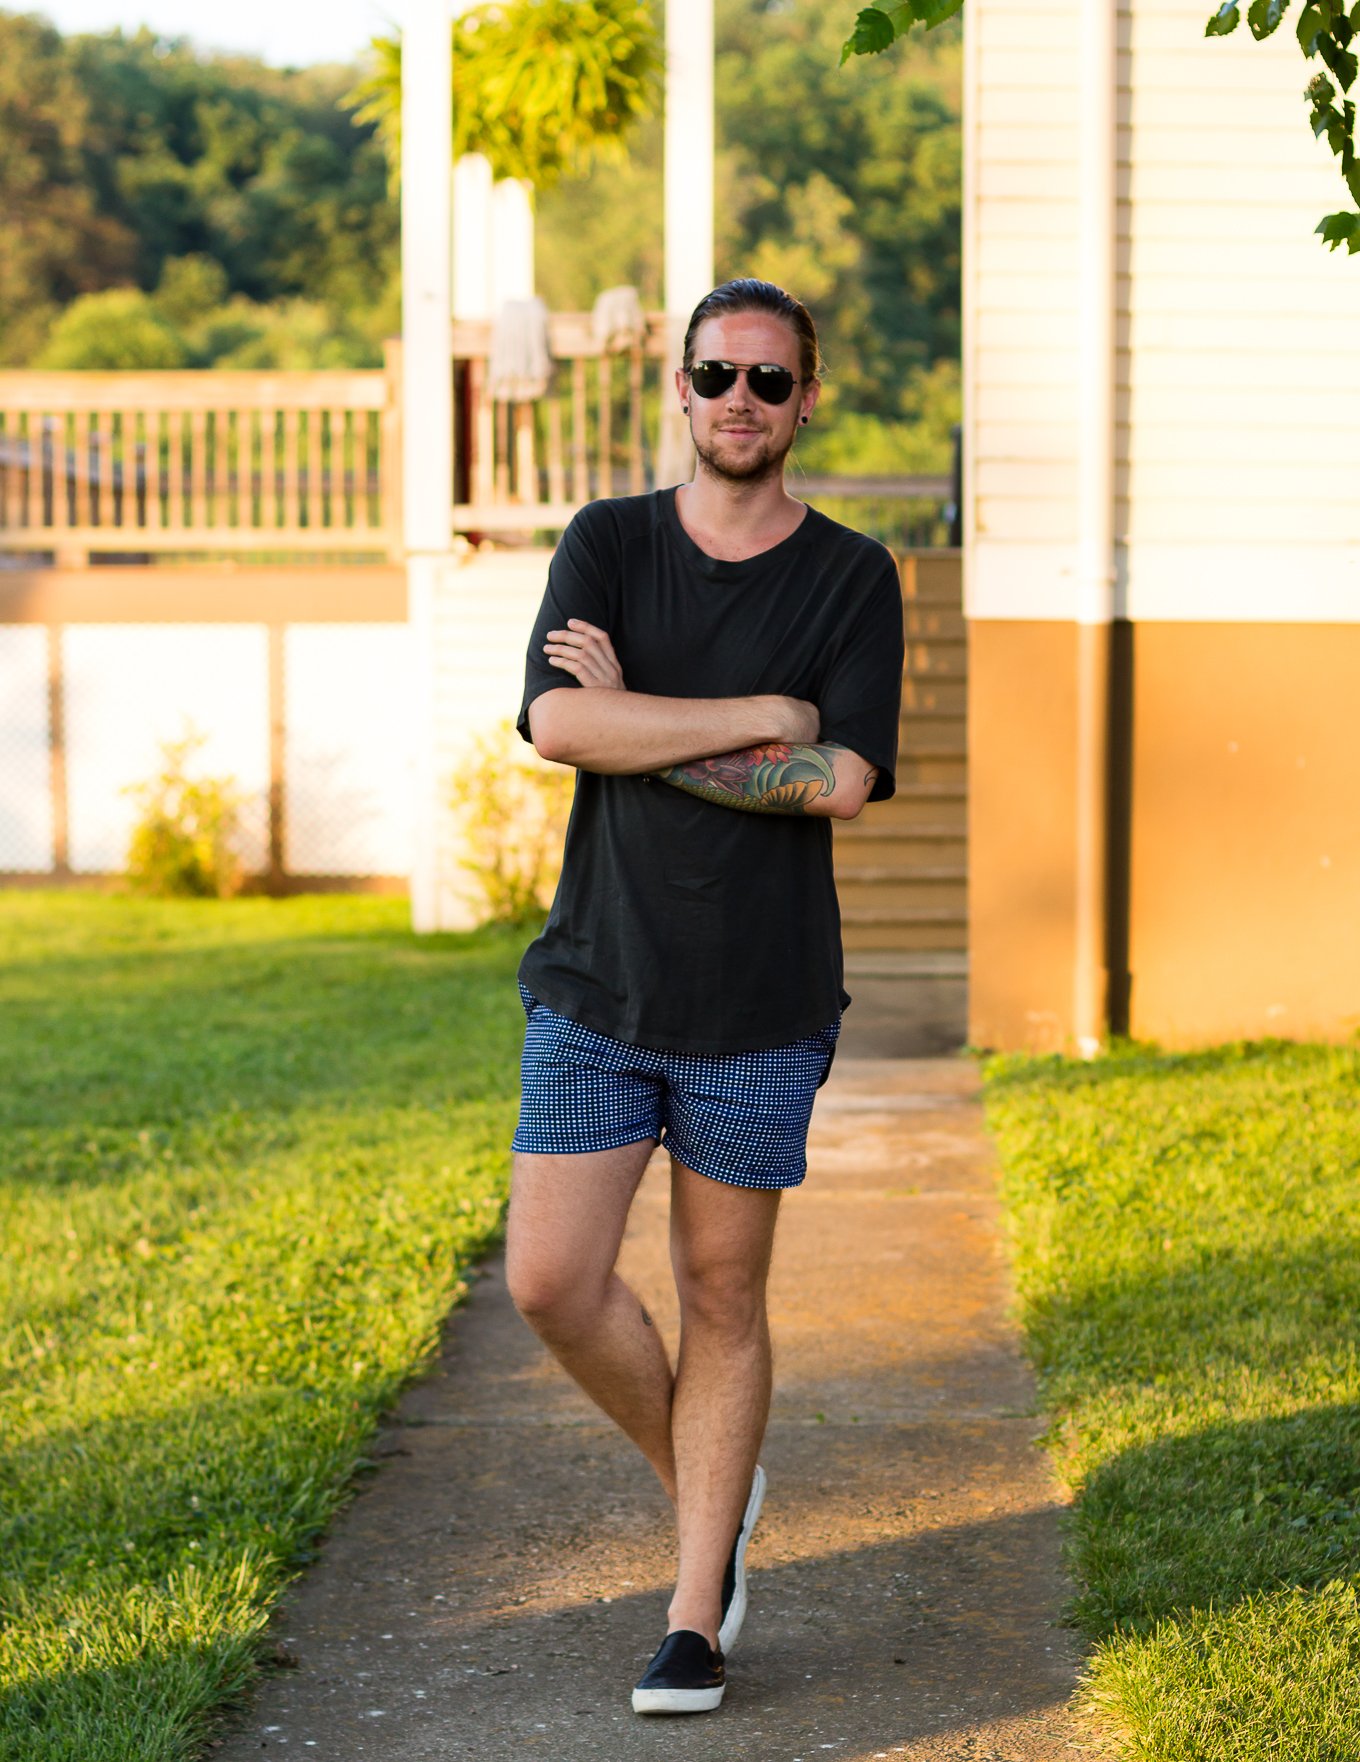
[771,385]
[712,378]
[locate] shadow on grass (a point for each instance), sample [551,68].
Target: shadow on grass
[1218,1515]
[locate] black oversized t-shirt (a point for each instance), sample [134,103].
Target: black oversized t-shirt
[679,923]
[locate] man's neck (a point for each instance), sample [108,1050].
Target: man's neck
[733,520]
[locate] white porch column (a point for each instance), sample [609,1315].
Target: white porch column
[427,394]
[472,297]
[512,242]
[689,199]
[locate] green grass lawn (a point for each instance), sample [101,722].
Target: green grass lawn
[245,1151]
[1187,1240]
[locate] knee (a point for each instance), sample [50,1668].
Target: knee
[725,1294]
[553,1299]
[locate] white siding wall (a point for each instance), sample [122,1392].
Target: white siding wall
[1239,356]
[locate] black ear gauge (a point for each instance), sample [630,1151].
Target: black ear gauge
[803,420]
[684,410]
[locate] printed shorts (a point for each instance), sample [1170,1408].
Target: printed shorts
[739,1117]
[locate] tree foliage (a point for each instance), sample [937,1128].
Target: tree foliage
[847,191]
[1327,31]
[541,87]
[119,154]
[878,27]
[219,212]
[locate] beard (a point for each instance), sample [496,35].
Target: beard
[755,466]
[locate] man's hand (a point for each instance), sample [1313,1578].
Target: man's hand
[609,729]
[585,651]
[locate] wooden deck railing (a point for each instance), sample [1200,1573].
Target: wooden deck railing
[209,461]
[593,433]
[309,463]
[198,461]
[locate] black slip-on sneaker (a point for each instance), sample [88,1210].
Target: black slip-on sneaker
[685,1676]
[734,1579]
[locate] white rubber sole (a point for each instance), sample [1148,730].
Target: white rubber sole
[736,1609]
[677,1700]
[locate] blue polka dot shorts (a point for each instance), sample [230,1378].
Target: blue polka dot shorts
[739,1117]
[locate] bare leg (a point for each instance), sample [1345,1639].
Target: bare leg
[721,1241]
[566,1221]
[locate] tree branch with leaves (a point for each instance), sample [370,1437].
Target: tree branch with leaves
[878,27]
[1326,32]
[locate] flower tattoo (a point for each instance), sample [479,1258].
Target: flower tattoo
[771,779]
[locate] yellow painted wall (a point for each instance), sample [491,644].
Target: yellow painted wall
[1246,831]
[1021,827]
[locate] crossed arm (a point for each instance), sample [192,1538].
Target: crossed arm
[756,754]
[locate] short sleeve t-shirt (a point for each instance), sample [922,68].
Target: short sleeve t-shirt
[681,924]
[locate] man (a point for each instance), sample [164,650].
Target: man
[722,665]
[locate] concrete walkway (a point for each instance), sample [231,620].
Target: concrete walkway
[499,1586]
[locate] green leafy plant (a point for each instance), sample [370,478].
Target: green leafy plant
[184,842]
[542,87]
[878,27]
[1326,30]
[512,814]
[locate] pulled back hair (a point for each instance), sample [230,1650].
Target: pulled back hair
[748,295]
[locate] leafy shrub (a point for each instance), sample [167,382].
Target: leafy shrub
[512,812]
[115,328]
[183,844]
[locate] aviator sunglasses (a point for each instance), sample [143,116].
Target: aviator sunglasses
[771,384]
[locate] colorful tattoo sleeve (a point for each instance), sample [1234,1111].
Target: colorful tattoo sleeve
[772,779]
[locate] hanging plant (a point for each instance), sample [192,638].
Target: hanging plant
[544,88]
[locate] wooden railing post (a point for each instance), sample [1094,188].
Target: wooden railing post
[389,455]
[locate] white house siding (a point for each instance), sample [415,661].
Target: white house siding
[1020,264]
[1238,445]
